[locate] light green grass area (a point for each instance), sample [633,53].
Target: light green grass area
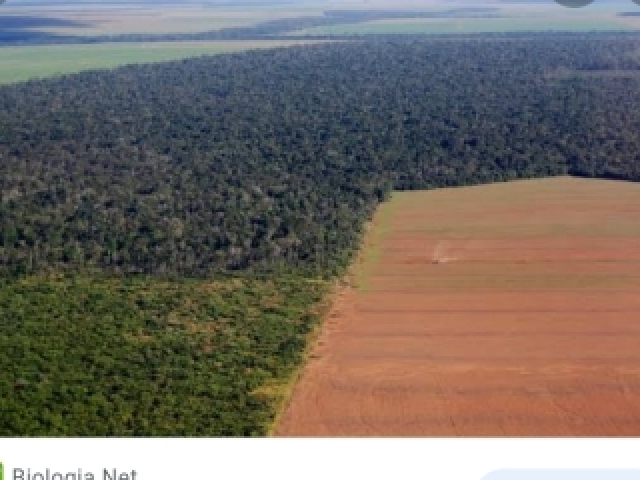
[475,25]
[24,63]
[372,244]
[505,282]
[535,229]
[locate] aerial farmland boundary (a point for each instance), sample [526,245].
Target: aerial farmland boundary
[186,217]
[557,360]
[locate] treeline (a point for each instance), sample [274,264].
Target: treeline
[273,160]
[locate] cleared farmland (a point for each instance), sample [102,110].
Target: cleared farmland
[121,19]
[462,25]
[508,309]
[24,63]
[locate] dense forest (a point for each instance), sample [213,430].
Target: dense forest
[166,230]
[271,160]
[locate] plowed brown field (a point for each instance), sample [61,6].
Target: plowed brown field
[508,309]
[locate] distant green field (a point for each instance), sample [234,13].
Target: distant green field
[474,25]
[23,63]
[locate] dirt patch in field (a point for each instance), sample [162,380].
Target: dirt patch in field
[530,326]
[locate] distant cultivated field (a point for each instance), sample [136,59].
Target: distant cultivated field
[23,63]
[508,23]
[508,309]
[158,19]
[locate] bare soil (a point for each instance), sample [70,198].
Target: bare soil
[500,310]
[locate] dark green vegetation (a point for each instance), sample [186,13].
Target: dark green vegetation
[103,357]
[265,165]
[273,160]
